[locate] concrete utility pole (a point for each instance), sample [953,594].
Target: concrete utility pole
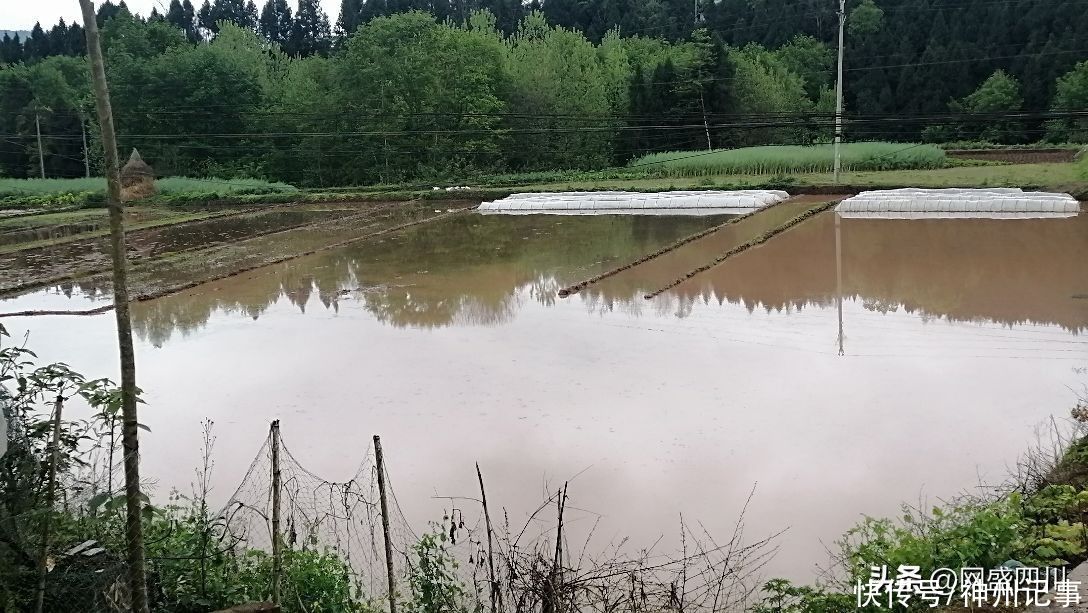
[41,154]
[838,89]
[130,433]
[86,157]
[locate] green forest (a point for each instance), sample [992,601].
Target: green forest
[397,90]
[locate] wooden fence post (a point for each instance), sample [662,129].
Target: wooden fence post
[494,584]
[277,540]
[385,524]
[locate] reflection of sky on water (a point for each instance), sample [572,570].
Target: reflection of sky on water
[958,341]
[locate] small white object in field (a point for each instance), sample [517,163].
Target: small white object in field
[995,203]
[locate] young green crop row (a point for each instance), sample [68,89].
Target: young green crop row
[792,159]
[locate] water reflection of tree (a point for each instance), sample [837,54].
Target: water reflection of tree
[472,270]
[476,270]
[1005,271]
[250,294]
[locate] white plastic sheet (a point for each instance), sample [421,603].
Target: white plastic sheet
[996,203]
[706,202]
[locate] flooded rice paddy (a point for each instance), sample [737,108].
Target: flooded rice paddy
[840,370]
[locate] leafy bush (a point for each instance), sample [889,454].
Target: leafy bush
[1044,529]
[195,566]
[433,577]
[781,596]
[792,159]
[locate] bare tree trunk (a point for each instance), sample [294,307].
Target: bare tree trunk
[130,437]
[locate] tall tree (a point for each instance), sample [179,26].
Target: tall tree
[1071,94]
[37,45]
[252,18]
[230,11]
[77,40]
[108,10]
[59,43]
[182,15]
[351,14]
[310,32]
[11,49]
[997,96]
[276,23]
[205,18]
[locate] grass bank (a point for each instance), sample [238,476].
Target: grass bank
[31,193]
[177,192]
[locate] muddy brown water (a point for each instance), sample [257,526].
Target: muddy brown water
[957,338]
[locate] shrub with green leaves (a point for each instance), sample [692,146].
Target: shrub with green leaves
[1043,529]
[433,576]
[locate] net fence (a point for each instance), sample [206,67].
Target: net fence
[343,519]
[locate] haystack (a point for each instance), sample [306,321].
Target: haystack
[137,178]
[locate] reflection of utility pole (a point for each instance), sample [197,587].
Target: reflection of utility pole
[838,89]
[41,154]
[838,275]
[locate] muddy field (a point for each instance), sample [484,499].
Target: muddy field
[205,247]
[837,371]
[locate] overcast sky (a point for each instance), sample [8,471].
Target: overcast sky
[21,15]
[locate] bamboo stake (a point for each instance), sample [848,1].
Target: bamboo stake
[130,434]
[50,492]
[490,556]
[379,459]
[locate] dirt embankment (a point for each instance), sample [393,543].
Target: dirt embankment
[1015,156]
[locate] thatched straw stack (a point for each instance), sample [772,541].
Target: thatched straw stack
[137,178]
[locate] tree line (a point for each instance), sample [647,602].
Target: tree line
[398,91]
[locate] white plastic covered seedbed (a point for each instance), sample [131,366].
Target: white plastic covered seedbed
[995,203]
[708,202]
